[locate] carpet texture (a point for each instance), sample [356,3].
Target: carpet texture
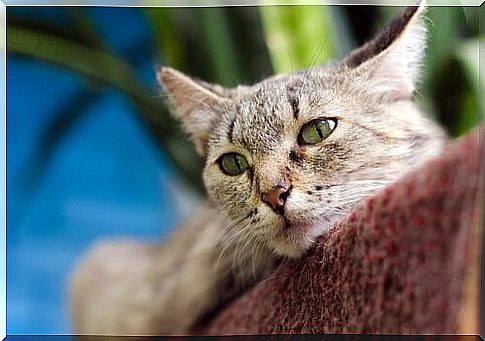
[405,261]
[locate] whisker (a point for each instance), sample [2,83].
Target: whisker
[319,50]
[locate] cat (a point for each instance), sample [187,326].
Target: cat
[285,159]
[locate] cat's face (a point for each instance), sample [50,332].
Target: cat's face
[287,157]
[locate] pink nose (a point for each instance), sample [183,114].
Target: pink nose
[277,197]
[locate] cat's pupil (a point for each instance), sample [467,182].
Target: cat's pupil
[316,131]
[319,130]
[233,163]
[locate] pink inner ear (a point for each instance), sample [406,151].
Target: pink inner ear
[392,79]
[193,103]
[396,70]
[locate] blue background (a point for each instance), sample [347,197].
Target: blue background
[106,177]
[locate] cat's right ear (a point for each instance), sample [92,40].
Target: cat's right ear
[391,61]
[193,102]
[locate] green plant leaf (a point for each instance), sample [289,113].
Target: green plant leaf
[298,36]
[473,111]
[219,45]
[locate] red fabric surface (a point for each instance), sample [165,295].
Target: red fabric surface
[396,264]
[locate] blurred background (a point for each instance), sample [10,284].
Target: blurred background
[92,151]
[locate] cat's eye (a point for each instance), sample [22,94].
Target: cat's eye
[316,131]
[233,163]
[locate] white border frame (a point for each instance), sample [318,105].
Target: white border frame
[136,3]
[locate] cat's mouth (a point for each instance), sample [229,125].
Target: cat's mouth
[292,232]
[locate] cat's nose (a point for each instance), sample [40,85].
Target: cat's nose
[277,197]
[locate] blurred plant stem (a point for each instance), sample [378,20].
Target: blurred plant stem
[86,28]
[168,38]
[468,54]
[299,36]
[106,68]
[219,45]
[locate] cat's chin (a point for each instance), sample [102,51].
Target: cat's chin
[296,238]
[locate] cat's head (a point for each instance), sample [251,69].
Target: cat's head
[288,156]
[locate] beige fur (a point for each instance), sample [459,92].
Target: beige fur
[129,288]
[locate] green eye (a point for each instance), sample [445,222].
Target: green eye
[316,131]
[233,163]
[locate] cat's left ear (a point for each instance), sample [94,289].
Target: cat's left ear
[391,61]
[195,103]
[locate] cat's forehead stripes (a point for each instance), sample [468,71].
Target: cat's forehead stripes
[260,120]
[230,131]
[295,105]
[293,90]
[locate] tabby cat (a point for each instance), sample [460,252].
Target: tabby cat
[284,160]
